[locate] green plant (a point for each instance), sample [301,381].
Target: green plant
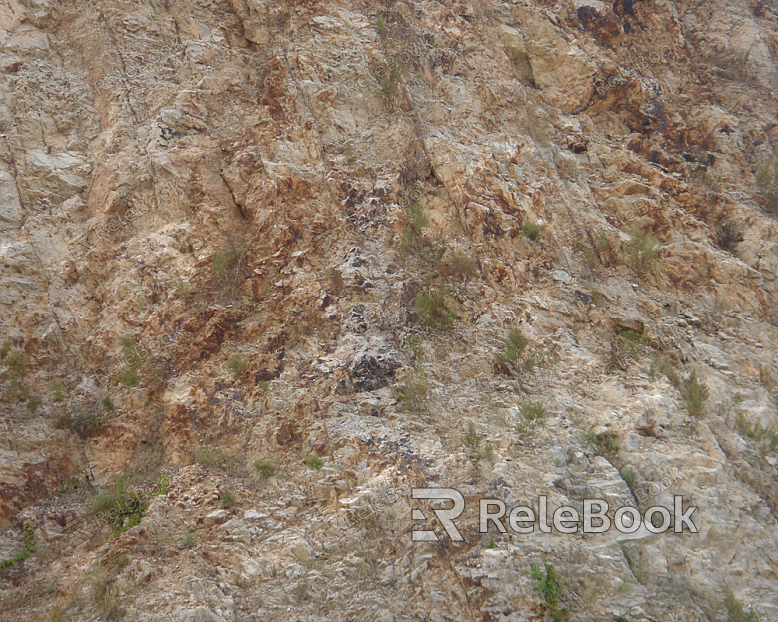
[266,469]
[314,462]
[219,458]
[728,234]
[435,309]
[548,589]
[119,507]
[532,230]
[736,610]
[128,377]
[487,453]
[237,364]
[664,366]
[489,543]
[85,420]
[766,438]
[533,413]
[106,597]
[33,403]
[604,443]
[228,499]
[538,127]
[109,405]
[414,388]
[694,393]
[29,549]
[300,590]
[642,250]
[227,266]
[264,385]
[515,344]
[459,268]
[628,475]
[767,185]
[57,390]
[12,377]
[387,89]
[189,540]
[414,240]
[380,23]
[471,438]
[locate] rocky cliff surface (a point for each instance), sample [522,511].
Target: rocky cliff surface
[267,266]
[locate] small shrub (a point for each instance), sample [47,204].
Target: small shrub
[767,185]
[57,390]
[29,549]
[728,234]
[460,268]
[119,508]
[84,420]
[487,453]
[766,438]
[387,89]
[266,469]
[628,475]
[227,266]
[300,590]
[314,462]
[694,393]
[215,458]
[109,405]
[264,385]
[736,611]
[471,438]
[416,347]
[604,443]
[414,240]
[106,598]
[532,230]
[189,540]
[489,543]
[380,24]
[435,309]
[228,499]
[533,413]
[33,403]
[548,589]
[12,388]
[237,364]
[128,377]
[642,250]
[515,344]
[414,389]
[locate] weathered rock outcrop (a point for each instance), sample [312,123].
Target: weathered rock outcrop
[282,232]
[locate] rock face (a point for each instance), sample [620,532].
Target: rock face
[271,253]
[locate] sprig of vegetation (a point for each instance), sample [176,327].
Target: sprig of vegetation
[266,469]
[532,230]
[548,589]
[642,250]
[314,462]
[29,549]
[694,393]
[533,413]
[728,234]
[436,309]
[736,611]
[767,185]
[604,443]
[237,364]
